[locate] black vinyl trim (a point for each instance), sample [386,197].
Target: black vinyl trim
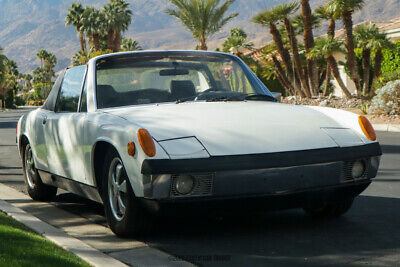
[260,161]
[70,185]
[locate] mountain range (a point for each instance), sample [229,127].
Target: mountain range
[26,26]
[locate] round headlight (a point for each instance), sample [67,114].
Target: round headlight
[184,184]
[358,169]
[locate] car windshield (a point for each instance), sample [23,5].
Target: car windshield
[146,78]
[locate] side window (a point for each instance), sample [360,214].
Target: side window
[68,98]
[83,107]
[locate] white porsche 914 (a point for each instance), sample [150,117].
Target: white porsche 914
[144,132]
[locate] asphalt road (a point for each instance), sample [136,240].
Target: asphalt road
[369,234]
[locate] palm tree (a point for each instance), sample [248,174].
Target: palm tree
[118,17]
[326,47]
[280,73]
[203,18]
[12,67]
[363,36]
[3,65]
[283,11]
[128,44]
[370,39]
[269,18]
[8,75]
[123,22]
[298,23]
[93,25]
[42,55]
[110,17]
[49,63]
[324,12]
[3,60]
[28,81]
[309,44]
[236,41]
[345,9]
[378,45]
[74,18]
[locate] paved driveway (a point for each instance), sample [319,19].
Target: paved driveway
[368,235]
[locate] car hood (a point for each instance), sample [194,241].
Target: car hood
[233,128]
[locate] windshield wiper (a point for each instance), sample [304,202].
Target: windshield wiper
[224,99]
[260,97]
[255,97]
[182,100]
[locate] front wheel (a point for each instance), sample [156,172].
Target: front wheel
[37,190]
[125,215]
[330,210]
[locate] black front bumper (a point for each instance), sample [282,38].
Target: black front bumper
[260,161]
[267,182]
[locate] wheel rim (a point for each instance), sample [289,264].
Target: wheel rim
[117,189]
[30,170]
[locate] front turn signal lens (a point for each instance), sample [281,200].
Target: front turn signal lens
[367,128]
[147,142]
[131,149]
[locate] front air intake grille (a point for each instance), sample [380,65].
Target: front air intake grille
[347,171]
[203,184]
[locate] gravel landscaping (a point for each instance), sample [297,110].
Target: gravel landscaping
[354,105]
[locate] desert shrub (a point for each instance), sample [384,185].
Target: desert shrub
[42,90]
[29,97]
[387,99]
[385,78]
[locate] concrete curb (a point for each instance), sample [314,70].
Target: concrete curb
[387,127]
[79,248]
[106,251]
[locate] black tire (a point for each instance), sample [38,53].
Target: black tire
[37,190]
[330,210]
[135,220]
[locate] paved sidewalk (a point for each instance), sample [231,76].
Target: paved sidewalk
[387,127]
[87,253]
[94,243]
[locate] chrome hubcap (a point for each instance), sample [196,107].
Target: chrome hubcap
[30,168]
[117,189]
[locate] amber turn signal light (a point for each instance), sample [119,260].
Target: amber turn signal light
[367,128]
[131,149]
[147,142]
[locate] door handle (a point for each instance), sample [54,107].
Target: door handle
[44,120]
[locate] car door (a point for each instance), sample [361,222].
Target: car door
[38,141]
[38,124]
[66,128]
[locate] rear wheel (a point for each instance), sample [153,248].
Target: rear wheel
[330,210]
[37,190]
[125,215]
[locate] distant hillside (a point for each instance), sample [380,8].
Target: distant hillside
[27,26]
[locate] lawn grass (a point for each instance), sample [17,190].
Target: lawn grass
[20,246]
